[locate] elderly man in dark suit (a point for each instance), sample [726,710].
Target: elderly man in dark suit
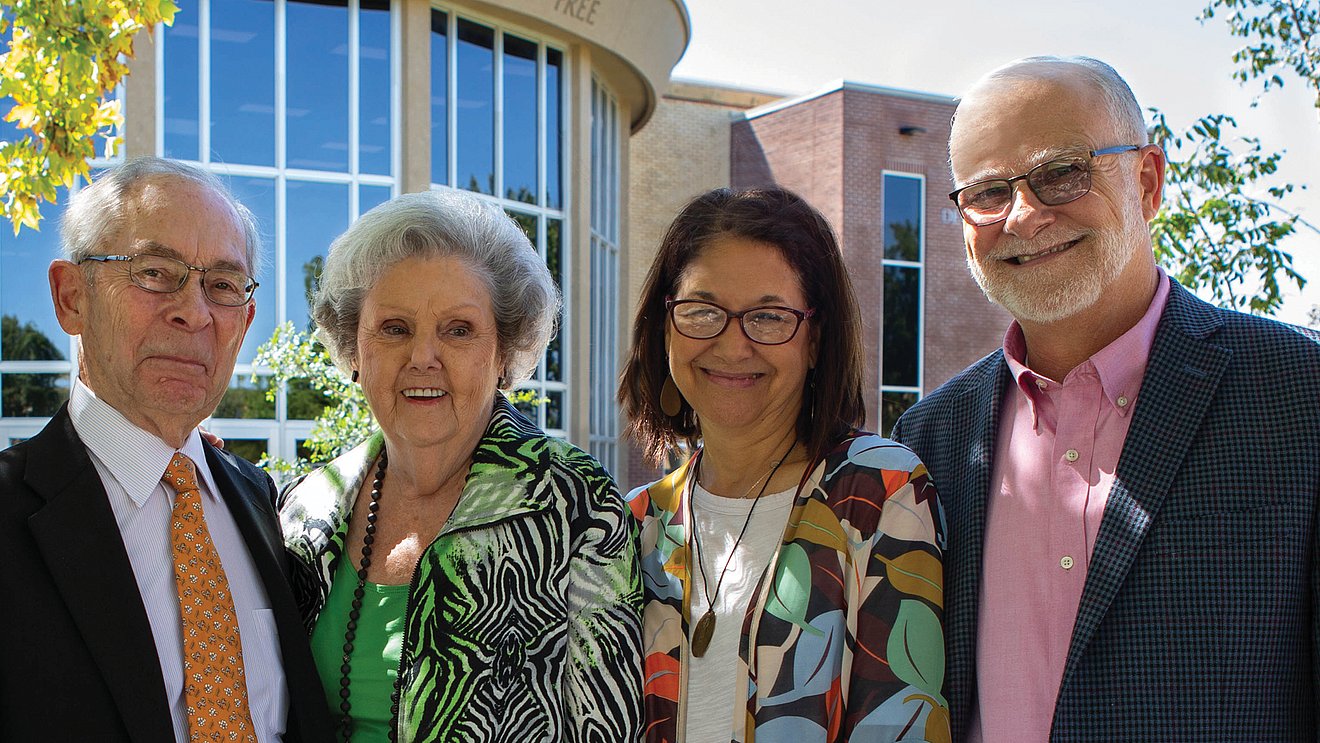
[1131,481]
[142,569]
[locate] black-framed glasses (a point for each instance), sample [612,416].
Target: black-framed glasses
[164,275]
[1055,182]
[770,325]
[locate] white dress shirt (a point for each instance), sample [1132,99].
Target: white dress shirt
[131,462]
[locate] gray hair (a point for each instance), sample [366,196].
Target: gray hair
[97,213]
[1120,103]
[436,224]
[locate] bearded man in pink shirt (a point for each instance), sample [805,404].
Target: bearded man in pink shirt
[1132,480]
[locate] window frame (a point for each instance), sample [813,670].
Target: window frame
[918,265]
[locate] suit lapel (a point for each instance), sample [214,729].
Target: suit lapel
[968,493]
[249,502]
[81,545]
[1180,383]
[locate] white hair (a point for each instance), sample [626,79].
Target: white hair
[1120,103]
[436,224]
[97,213]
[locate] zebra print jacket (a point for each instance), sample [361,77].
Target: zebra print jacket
[524,614]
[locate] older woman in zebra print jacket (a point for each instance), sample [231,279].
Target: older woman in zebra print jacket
[464,575]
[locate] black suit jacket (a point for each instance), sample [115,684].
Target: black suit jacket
[77,658]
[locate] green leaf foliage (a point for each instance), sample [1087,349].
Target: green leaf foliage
[296,359]
[1214,231]
[64,59]
[1280,36]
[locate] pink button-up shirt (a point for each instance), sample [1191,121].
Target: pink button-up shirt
[1055,457]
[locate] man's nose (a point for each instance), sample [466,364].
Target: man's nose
[1027,215]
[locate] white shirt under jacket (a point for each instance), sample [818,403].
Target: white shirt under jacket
[131,462]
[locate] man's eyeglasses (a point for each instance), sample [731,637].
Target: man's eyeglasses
[164,275]
[769,325]
[1055,182]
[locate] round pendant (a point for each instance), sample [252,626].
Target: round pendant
[704,631]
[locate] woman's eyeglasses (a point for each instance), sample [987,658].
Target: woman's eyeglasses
[770,325]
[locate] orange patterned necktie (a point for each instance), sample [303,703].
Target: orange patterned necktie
[214,686]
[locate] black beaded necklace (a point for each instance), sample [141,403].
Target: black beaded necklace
[350,631]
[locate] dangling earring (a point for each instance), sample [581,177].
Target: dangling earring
[671,400]
[354,375]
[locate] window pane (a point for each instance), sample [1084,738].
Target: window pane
[258,194]
[245,399]
[519,119]
[30,329]
[316,111]
[527,222]
[305,403]
[370,197]
[250,449]
[892,405]
[439,97]
[902,326]
[33,395]
[317,213]
[243,82]
[554,370]
[902,218]
[527,409]
[554,60]
[181,83]
[476,107]
[375,131]
[554,409]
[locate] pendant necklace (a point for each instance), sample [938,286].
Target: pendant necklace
[705,629]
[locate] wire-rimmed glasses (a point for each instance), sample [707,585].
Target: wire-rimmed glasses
[164,275]
[1056,182]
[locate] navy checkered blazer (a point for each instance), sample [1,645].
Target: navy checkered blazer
[1198,621]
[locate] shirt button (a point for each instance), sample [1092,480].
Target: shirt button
[1066,562]
[1042,383]
[1071,455]
[1122,401]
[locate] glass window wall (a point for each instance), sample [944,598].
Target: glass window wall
[293,103]
[901,347]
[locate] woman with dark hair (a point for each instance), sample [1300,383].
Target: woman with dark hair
[792,572]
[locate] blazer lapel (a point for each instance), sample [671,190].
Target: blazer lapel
[82,547]
[1180,383]
[966,494]
[249,502]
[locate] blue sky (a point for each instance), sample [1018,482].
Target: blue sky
[1172,62]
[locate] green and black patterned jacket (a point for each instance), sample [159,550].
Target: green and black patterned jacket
[524,615]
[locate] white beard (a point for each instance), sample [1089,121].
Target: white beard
[1063,290]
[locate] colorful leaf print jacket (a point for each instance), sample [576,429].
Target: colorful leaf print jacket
[844,641]
[523,619]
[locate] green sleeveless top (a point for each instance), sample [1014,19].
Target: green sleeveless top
[376,649]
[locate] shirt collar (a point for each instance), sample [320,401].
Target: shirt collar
[1121,365]
[136,459]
